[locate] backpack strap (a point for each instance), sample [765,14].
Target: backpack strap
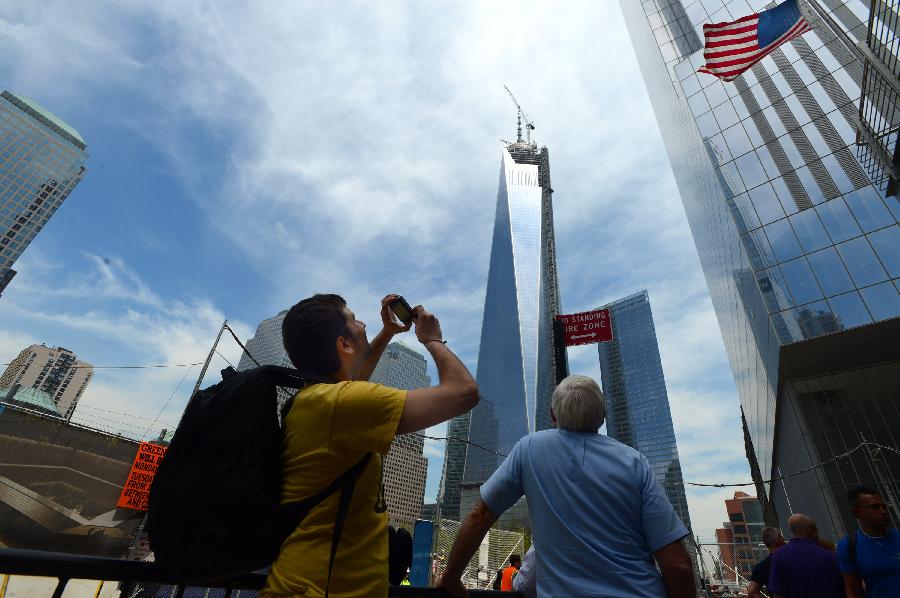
[294,513]
[343,509]
[851,547]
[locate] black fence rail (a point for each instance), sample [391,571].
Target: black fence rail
[145,579]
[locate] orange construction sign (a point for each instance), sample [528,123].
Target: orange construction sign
[136,491]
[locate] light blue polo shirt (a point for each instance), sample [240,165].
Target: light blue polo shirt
[597,513]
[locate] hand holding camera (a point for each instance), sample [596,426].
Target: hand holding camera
[428,328]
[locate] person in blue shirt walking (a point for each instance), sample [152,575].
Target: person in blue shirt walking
[601,523]
[870,556]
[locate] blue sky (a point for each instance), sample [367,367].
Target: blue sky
[243,157]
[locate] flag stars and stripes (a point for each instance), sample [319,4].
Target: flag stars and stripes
[733,47]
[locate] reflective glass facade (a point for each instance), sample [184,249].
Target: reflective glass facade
[516,368]
[454,467]
[637,404]
[405,469]
[41,160]
[795,242]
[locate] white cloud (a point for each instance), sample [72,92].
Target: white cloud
[356,150]
[109,316]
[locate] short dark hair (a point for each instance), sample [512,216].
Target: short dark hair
[514,558]
[770,536]
[309,332]
[854,493]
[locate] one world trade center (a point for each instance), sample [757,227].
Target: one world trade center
[518,360]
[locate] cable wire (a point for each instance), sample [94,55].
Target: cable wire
[238,341]
[843,455]
[111,367]
[225,358]
[156,419]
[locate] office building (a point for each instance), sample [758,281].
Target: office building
[46,377]
[740,538]
[405,468]
[41,160]
[267,348]
[454,467]
[799,248]
[637,404]
[518,364]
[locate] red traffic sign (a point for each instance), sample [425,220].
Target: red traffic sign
[586,327]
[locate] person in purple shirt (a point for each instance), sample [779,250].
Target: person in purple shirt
[803,568]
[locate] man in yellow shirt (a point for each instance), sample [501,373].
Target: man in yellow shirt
[332,426]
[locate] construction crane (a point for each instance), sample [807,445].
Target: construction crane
[529,127]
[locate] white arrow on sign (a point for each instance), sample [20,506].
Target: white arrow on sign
[591,335]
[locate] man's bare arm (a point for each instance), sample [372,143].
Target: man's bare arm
[677,571]
[454,395]
[853,586]
[376,349]
[471,533]
[390,327]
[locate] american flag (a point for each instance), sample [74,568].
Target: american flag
[732,48]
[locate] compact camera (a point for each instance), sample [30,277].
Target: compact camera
[402,310]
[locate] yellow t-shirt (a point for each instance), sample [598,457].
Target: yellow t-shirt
[328,430]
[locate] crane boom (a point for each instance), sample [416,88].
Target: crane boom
[529,127]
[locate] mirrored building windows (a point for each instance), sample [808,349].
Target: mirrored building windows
[637,403]
[516,360]
[797,244]
[41,160]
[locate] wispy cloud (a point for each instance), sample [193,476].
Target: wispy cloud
[109,316]
[355,148]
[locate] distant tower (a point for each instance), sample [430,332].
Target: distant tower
[405,468]
[41,160]
[518,365]
[55,374]
[740,538]
[267,348]
[637,403]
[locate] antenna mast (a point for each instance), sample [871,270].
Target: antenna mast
[529,127]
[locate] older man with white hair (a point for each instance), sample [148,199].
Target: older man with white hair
[599,518]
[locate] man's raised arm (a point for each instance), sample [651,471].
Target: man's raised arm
[456,392]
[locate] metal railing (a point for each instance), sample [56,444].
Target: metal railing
[67,567]
[879,102]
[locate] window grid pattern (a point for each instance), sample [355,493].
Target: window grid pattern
[799,160]
[56,373]
[516,373]
[730,228]
[39,167]
[637,402]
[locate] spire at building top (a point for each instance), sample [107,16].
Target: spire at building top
[520,116]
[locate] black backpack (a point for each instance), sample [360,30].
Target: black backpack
[215,500]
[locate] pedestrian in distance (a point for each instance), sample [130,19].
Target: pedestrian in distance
[803,568]
[348,422]
[759,578]
[506,581]
[497,580]
[525,581]
[599,516]
[870,556]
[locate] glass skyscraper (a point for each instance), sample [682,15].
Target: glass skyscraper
[800,250]
[405,469]
[517,363]
[41,160]
[637,404]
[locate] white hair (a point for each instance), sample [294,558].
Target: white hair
[578,404]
